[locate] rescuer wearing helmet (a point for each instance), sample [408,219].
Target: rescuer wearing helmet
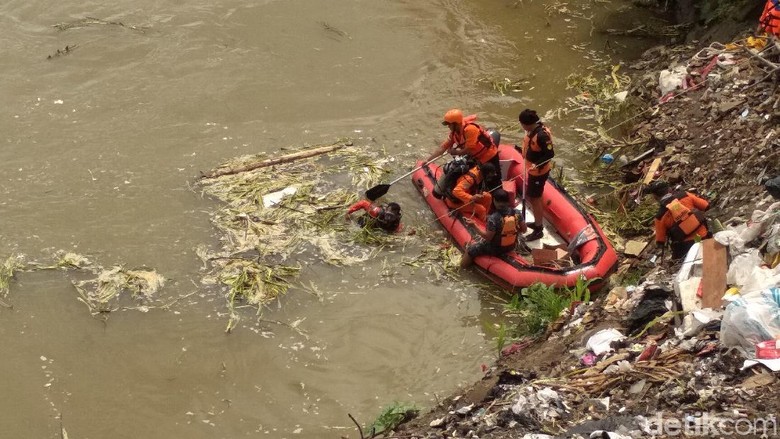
[770,18]
[469,139]
[680,218]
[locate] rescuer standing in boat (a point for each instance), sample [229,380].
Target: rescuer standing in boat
[680,218]
[537,151]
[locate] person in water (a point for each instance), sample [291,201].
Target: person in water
[386,216]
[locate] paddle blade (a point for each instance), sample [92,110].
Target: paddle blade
[377,191]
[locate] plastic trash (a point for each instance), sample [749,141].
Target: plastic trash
[599,434]
[773,187]
[768,350]
[599,342]
[750,320]
[274,198]
[607,158]
[669,80]
[696,320]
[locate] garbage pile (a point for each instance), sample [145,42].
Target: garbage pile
[713,118]
[660,363]
[695,343]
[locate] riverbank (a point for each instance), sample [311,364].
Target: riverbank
[706,120]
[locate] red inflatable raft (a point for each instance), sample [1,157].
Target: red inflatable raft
[567,225]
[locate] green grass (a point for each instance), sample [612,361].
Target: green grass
[392,416]
[539,305]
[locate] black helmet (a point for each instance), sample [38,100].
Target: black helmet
[658,188]
[388,220]
[495,135]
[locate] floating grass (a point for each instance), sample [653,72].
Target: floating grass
[101,293]
[8,268]
[504,86]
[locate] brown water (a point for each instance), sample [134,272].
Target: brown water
[100,145]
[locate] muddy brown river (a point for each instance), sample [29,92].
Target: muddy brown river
[110,110]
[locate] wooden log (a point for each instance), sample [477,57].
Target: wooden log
[714,266]
[219,172]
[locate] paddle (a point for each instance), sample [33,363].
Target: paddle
[381,189]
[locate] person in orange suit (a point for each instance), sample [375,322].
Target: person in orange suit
[386,217]
[471,194]
[680,218]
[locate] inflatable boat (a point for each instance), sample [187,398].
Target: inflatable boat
[573,244]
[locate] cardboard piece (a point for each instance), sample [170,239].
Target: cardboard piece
[544,256]
[651,171]
[715,266]
[634,248]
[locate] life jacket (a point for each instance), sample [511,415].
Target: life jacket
[487,149]
[686,221]
[534,154]
[770,18]
[477,183]
[452,171]
[508,233]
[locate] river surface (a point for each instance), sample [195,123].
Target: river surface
[101,142]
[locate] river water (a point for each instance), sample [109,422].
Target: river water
[101,141]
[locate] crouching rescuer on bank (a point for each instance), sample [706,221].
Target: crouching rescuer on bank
[680,219]
[500,234]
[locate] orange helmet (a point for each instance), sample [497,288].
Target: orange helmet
[453,116]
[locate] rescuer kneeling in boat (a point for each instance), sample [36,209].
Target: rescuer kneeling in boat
[538,152]
[500,234]
[680,218]
[386,217]
[471,194]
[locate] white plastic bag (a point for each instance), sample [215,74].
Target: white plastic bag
[741,267]
[669,80]
[751,319]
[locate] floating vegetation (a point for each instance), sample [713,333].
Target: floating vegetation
[440,260]
[275,219]
[334,30]
[254,283]
[72,260]
[599,98]
[92,21]
[98,293]
[8,268]
[66,51]
[504,85]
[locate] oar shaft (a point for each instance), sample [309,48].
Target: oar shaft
[415,169]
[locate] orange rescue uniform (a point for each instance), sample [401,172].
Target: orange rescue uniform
[676,221]
[770,18]
[474,140]
[468,185]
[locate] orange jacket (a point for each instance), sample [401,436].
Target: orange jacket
[675,218]
[537,149]
[474,140]
[468,185]
[371,209]
[509,230]
[770,18]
